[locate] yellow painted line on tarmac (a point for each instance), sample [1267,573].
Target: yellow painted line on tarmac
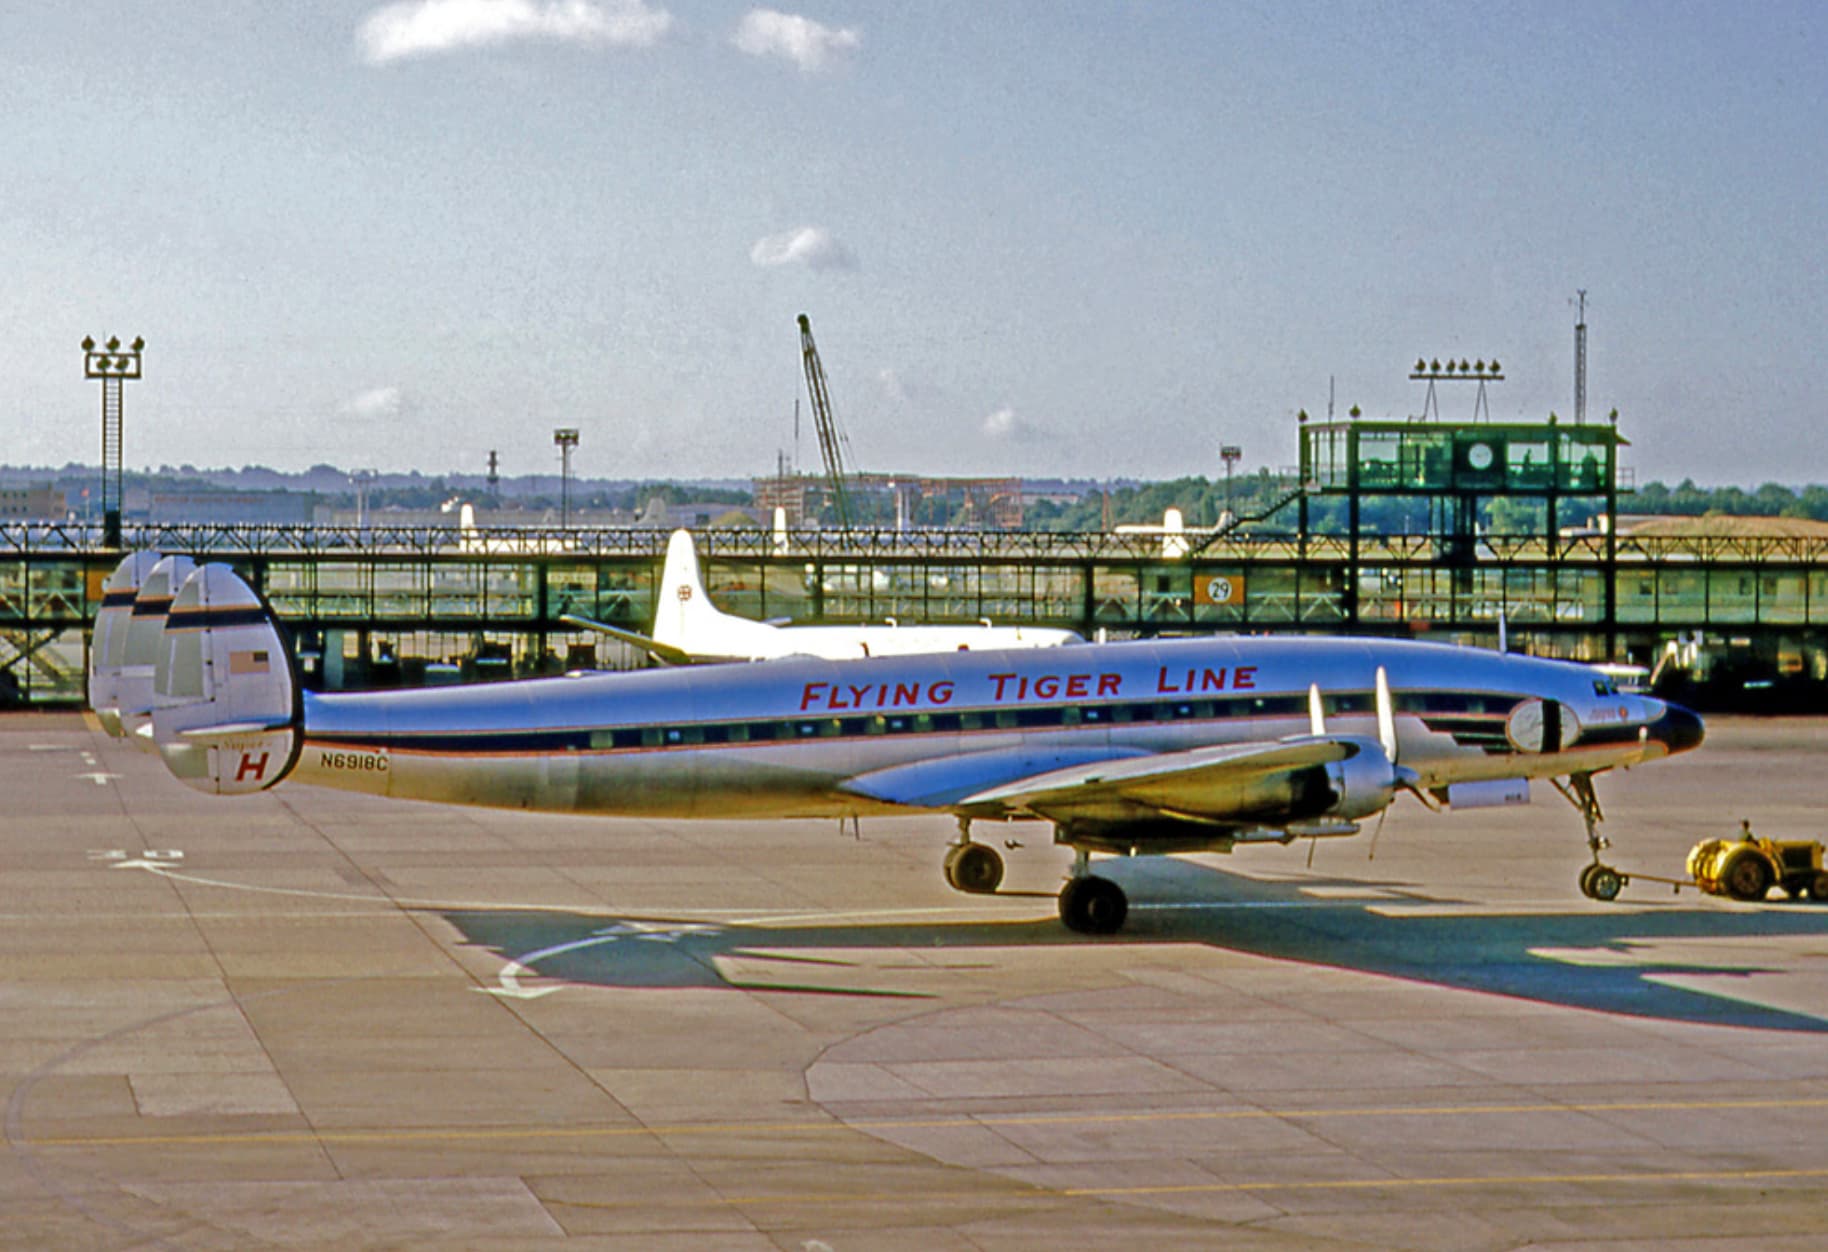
[1654,1177]
[498,1134]
[1471,1180]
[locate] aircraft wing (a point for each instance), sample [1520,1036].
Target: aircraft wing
[664,652]
[943,782]
[1211,784]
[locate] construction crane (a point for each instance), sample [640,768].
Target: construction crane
[833,446]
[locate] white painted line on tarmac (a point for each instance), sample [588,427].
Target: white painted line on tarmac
[743,917]
[508,980]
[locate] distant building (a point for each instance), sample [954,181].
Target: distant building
[31,504]
[905,499]
[233,508]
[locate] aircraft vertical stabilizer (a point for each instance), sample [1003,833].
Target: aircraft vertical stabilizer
[134,696]
[685,618]
[228,710]
[108,648]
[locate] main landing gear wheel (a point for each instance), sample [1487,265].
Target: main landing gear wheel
[1093,906]
[974,868]
[1601,882]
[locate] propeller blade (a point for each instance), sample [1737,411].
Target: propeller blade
[1386,716]
[1406,781]
[1376,831]
[1317,722]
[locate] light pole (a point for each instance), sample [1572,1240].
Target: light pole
[1231,454]
[566,437]
[112,365]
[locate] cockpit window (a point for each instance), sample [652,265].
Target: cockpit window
[1605,687]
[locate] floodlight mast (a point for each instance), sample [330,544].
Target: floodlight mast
[566,437]
[111,365]
[1231,454]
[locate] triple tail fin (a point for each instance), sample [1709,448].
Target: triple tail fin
[108,642]
[145,627]
[229,711]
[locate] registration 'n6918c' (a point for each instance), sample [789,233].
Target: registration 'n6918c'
[353,762]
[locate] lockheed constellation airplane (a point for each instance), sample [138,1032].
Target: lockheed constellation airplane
[689,628]
[1141,748]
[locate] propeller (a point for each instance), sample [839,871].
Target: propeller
[1386,737]
[1317,727]
[1386,715]
[1401,779]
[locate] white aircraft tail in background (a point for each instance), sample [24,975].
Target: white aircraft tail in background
[688,627]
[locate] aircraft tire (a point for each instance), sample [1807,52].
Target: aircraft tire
[1746,876]
[1093,906]
[974,868]
[1586,880]
[1604,883]
[1818,888]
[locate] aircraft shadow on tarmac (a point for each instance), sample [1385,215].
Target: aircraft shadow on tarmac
[1588,958]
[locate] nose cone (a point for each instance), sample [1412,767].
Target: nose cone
[1678,729]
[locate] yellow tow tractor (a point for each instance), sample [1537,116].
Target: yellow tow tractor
[1747,867]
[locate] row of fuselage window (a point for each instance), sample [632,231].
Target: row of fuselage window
[1038,717]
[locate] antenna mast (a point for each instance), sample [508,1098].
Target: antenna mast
[1580,362]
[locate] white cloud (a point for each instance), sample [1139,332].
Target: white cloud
[1006,426]
[412,28]
[377,402]
[808,44]
[811,246]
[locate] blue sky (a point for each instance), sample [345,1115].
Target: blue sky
[1093,239]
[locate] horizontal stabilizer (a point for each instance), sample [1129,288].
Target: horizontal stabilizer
[664,652]
[232,730]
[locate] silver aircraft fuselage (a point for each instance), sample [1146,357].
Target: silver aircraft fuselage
[791,738]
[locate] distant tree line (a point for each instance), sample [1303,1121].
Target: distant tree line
[1202,501]
[1770,500]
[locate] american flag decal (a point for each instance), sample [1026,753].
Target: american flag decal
[248,662]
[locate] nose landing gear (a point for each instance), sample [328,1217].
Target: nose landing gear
[1598,881]
[1601,882]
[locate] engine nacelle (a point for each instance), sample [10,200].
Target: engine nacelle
[1362,784]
